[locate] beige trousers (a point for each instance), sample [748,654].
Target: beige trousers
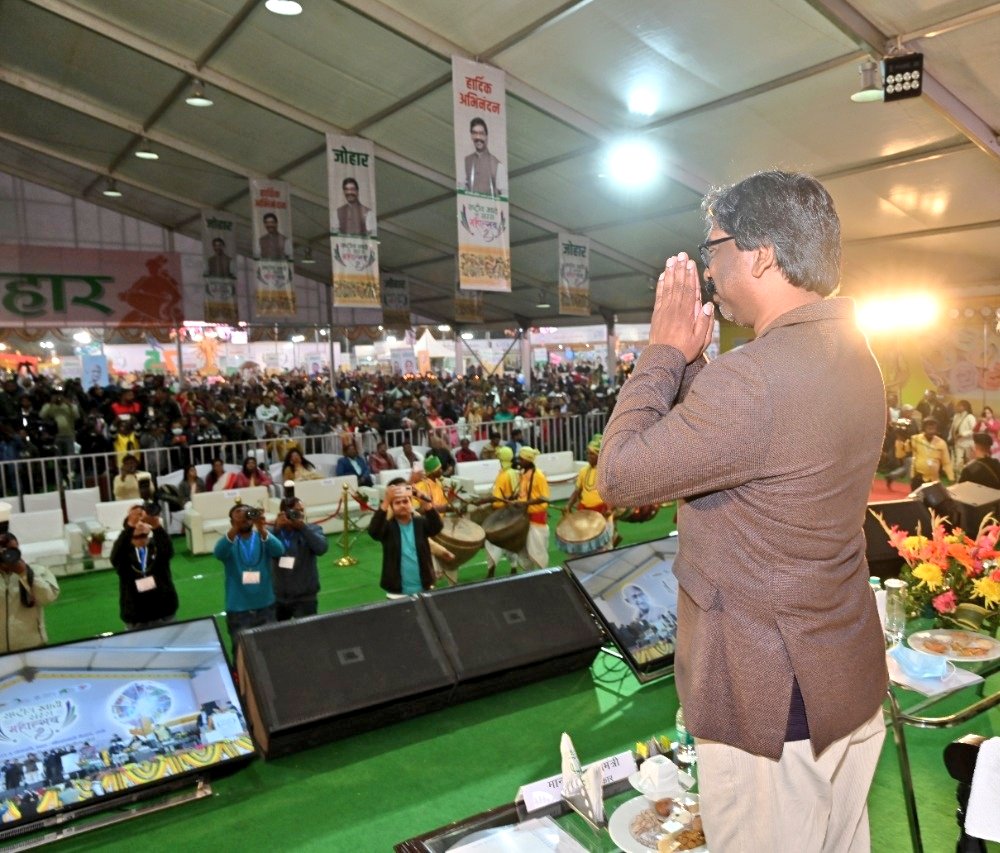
[750,804]
[535,554]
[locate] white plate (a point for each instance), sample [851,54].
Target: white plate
[955,642]
[684,782]
[621,820]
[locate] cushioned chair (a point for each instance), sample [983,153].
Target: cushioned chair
[42,500]
[208,518]
[477,477]
[560,469]
[42,538]
[322,499]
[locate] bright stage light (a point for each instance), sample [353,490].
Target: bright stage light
[634,163]
[912,312]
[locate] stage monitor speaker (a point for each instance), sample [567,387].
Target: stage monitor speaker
[319,679]
[883,559]
[514,630]
[975,502]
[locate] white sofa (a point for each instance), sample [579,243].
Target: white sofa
[207,520]
[477,477]
[41,501]
[42,538]
[322,497]
[560,469]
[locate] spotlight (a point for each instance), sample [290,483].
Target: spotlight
[870,90]
[144,152]
[198,98]
[283,7]
[634,163]
[111,190]
[307,256]
[467,336]
[444,327]
[904,76]
[298,339]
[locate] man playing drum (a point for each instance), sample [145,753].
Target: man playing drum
[505,488]
[586,493]
[533,492]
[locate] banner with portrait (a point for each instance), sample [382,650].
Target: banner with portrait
[271,212]
[468,306]
[218,250]
[574,275]
[350,169]
[480,115]
[395,302]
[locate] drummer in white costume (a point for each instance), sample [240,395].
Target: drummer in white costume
[533,492]
[586,495]
[504,490]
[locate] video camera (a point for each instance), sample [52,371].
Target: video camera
[9,556]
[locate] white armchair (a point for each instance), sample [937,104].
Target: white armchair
[42,538]
[208,518]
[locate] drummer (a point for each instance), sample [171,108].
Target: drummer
[586,493]
[533,491]
[504,490]
[428,482]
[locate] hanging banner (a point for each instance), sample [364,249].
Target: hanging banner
[350,169]
[574,275]
[480,115]
[468,306]
[395,302]
[218,249]
[270,202]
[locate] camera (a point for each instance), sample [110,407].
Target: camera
[9,556]
[152,508]
[293,515]
[253,513]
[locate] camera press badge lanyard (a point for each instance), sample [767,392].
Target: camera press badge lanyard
[287,561]
[244,554]
[146,582]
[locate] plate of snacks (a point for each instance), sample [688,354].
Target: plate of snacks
[955,645]
[666,826]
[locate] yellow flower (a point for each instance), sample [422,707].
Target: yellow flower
[913,543]
[930,575]
[988,589]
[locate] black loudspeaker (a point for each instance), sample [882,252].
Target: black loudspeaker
[883,559]
[975,502]
[513,630]
[323,678]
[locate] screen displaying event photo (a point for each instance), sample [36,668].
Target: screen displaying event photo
[90,720]
[635,592]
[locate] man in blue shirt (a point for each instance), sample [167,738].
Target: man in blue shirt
[406,553]
[246,552]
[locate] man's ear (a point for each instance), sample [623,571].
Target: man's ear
[763,260]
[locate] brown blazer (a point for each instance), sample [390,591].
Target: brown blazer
[773,448]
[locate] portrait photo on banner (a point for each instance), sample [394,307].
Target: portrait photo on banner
[480,115]
[272,220]
[351,173]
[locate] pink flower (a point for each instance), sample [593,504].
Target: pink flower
[995,575]
[945,602]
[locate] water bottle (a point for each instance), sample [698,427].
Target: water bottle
[875,582]
[895,611]
[684,751]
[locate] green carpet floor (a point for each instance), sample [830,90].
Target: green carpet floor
[368,792]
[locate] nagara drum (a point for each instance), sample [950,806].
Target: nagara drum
[507,528]
[583,532]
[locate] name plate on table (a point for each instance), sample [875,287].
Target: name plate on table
[545,792]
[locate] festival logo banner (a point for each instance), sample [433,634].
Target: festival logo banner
[218,239]
[480,111]
[350,168]
[468,306]
[574,275]
[395,302]
[270,203]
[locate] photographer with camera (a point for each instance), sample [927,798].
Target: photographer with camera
[296,576]
[407,567]
[246,553]
[26,593]
[141,556]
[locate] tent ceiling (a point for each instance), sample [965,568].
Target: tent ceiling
[740,87]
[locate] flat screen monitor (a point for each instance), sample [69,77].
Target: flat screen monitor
[87,723]
[634,592]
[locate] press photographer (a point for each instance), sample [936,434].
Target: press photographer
[296,576]
[141,556]
[26,593]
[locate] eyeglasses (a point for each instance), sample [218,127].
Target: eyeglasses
[703,248]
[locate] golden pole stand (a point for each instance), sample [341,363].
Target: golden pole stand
[347,559]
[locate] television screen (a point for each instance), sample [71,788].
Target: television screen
[634,592]
[96,720]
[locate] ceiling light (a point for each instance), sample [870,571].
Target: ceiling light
[111,190]
[324,332]
[198,98]
[634,163]
[904,76]
[144,152]
[542,300]
[444,327]
[390,339]
[871,89]
[82,337]
[3,346]
[381,328]
[643,101]
[467,336]
[283,7]
[47,345]
[298,339]
[307,256]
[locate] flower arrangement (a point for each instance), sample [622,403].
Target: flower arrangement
[951,575]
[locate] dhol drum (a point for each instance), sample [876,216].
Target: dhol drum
[583,532]
[463,538]
[638,514]
[507,528]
